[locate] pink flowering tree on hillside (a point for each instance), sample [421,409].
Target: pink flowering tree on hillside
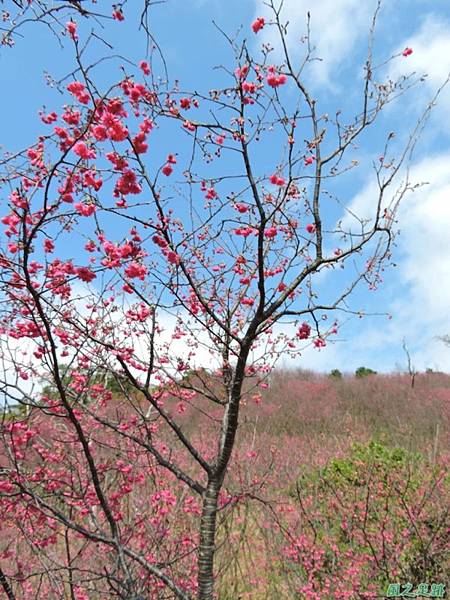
[146,294]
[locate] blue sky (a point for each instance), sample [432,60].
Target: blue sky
[417,292]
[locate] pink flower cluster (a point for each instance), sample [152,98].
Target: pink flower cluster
[258,24]
[274,79]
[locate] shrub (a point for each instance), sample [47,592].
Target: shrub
[336,374]
[364,372]
[375,514]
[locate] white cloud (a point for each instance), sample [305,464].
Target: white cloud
[336,26]
[421,309]
[425,219]
[431,52]
[430,58]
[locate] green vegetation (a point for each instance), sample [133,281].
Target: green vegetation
[336,374]
[364,372]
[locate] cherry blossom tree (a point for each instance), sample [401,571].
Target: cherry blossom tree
[168,245]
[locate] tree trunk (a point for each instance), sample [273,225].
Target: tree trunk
[211,496]
[207,541]
[6,587]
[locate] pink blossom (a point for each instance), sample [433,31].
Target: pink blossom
[275,180]
[80,594]
[90,181]
[309,160]
[275,80]
[146,126]
[136,270]
[310,228]
[85,209]
[145,68]
[85,274]
[119,162]
[127,184]
[50,118]
[100,133]
[6,487]
[90,246]
[12,220]
[211,193]
[248,301]
[246,231]
[140,314]
[258,24]
[139,143]
[78,89]
[407,51]
[75,87]
[49,245]
[161,242]
[173,258]
[117,132]
[304,331]
[18,200]
[241,72]
[83,151]
[71,28]
[167,169]
[118,15]
[71,117]
[126,250]
[189,126]
[271,232]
